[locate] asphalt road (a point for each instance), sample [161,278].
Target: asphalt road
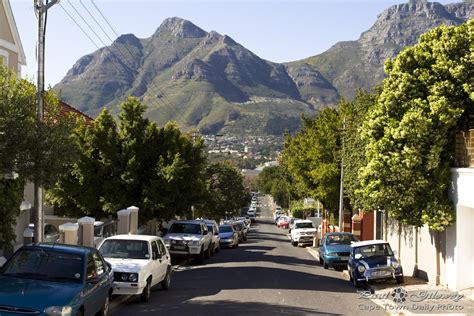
[264,276]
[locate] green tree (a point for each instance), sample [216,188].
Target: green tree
[409,131]
[277,182]
[226,191]
[36,151]
[353,154]
[313,157]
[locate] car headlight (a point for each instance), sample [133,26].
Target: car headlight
[58,310]
[133,277]
[332,254]
[193,243]
[167,241]
[395,264]
[361,269]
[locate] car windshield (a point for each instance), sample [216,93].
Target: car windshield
[225,229]
[45,265]
[185,228]
[380,250]
[210,228]
[125,249]
[304,225]
[340,239]
[238,226]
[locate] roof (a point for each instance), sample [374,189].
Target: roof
[16,36]
[188,221]
[67,109]
[134,237]
[368,243]
[73,249]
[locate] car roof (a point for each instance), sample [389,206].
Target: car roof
[302,221]
[209,221]
[134,237]
[189,221]
[368,243]
[338,233]
[72,249]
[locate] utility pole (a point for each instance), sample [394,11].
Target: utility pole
[341,192]
[41,10]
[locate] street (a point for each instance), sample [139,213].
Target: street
[265,275]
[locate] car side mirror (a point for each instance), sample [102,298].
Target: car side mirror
[155,256]
[93,280]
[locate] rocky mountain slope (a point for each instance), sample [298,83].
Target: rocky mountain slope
[207,80]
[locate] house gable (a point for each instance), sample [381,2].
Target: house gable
[9,36]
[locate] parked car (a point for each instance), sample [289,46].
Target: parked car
[240,228]
[103,230]
[139,262]
[283,221]
[373,260]
[303,232]
[213,229]
[229,237]
[334,250]
[51,233]
[55,279]
[189,239]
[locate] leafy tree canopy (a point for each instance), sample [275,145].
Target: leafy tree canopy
[409,131]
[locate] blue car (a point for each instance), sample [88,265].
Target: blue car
[334,250]
[55,279]
[373,260]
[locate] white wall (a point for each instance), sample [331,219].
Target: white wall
[460,251]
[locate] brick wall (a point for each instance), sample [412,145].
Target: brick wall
[465,149]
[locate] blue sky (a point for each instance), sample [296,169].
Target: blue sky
[276,30]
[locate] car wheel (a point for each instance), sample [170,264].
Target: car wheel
[320,260]
[207,254]
[146,294]
[294,243]
[105,309]
[400,279]
[325,265]
[355,282]
[213,249]
[200,257]
[165,284]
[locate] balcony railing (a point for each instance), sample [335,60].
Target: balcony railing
[465,149]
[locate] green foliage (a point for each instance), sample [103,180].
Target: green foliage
[37,151]
[156,169]
[302,212]
[226,191]
[409,132]
[353,153]
[10,200]
[297,212]
[277,182]
[312,157]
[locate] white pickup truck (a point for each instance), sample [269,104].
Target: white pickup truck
[189,239]
[303,232]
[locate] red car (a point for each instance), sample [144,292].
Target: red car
[283,222]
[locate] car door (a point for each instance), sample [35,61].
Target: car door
[155,263]
[103,279]
[165,259]
[90,301]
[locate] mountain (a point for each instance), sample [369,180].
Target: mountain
[352,64]
[200,79]
[207,80]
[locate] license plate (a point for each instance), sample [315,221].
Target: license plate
[345,258]
[381,273]
[178,246]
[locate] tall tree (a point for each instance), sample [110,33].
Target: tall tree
[227,194]
[409,132]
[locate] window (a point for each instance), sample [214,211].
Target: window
[161,247]
[154,250]
[125,249]
[90,268]
[3,58]
[99,264]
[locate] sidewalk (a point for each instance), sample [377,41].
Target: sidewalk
[414,297]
